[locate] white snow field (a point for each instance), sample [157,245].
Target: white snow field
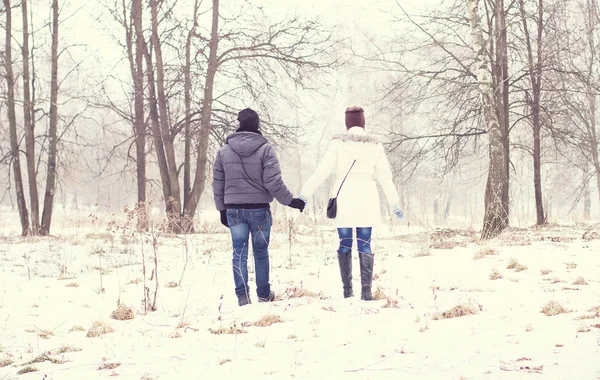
[51,296]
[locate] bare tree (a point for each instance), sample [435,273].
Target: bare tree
[53,127]
[12,120]
[207,103]
[139,125]
[28,115]
[496,218]
[535,70]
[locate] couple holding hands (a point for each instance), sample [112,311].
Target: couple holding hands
[247,177]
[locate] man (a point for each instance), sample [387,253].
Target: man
[246,178]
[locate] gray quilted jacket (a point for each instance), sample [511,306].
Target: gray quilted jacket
[247,171]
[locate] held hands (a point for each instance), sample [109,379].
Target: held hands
[297,203]
[224,218]
[398,212]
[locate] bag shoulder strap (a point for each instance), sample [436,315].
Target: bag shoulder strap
[344,180]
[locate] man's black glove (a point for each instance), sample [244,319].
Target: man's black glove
[224,218]
[298,204]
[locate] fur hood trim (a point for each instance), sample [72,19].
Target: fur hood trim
[362,137]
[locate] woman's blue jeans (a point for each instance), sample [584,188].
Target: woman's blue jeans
[243,224]
[363,239]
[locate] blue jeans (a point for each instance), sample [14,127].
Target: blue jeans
[257,224]
[363,239]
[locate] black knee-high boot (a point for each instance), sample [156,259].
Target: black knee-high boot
[345,260]
[366,275]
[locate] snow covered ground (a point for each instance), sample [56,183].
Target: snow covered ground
[53,290]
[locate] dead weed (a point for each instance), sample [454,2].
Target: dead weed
[99,328]
[122,313]
[456,311]
[553,308]
[484,252]
[266,320]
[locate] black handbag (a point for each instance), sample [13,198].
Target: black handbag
[332,204]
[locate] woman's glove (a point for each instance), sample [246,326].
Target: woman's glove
[398,212]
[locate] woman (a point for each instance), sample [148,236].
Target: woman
[362,158]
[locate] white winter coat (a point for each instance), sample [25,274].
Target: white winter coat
[358,202]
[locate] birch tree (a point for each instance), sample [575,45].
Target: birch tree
[496,216]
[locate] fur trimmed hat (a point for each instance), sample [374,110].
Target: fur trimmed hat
[355,117]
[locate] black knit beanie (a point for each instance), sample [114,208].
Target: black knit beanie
[249,120]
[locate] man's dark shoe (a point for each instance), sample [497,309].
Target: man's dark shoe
[244,300]
[269,298]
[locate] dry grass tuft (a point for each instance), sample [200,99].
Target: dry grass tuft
[266,320]
[379,294]
[514,264]
[171,284]
[44,357]
[456,311]
[76,328]
[66,348]
[99,328]
[484,252]
[229,331]
[295,292]
[496,275]
[72,285]
[546,271]
[571,265]
[580,281]
[595,309]
[123,313]
[5,362]
[553,308]
[105,366]
[390,303]
[44,334]
[27,369]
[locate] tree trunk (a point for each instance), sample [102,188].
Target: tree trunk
[139,126]
[503,85]
[205,121]
[28,126]
[52,130]
[187,176]
[587,197]
[167,139]
[593,143]
[537,164]
[154,122]
[496,210]
[12,121]
[535,74]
